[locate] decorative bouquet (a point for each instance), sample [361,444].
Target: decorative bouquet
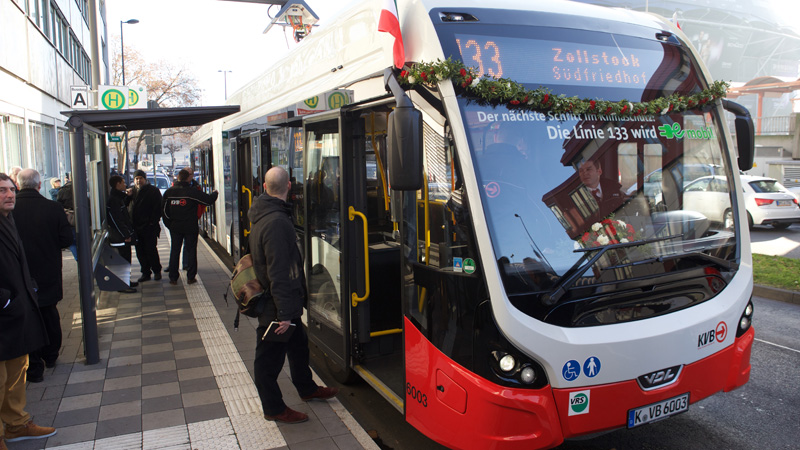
[608,231]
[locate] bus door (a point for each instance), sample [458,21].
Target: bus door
[206,163]
[354,261]
[252,155]
[326,254]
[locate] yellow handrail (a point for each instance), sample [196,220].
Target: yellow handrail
[386,332]
[352,216]
[250,195]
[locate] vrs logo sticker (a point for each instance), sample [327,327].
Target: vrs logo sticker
[578,403]
[716,335]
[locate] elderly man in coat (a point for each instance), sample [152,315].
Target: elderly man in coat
[44,230]
[21,327]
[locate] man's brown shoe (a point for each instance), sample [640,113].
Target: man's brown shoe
[288,416]
[322,393]
[28,431]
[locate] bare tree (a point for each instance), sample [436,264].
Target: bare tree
[170,86]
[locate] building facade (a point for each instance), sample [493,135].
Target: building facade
[46,46]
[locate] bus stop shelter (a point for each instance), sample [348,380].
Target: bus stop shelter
[87,129]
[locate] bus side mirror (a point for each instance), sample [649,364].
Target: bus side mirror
[745,134]
[404,139]
[405,149]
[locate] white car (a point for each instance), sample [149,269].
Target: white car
[767,201]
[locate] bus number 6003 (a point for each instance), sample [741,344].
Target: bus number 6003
[412,392]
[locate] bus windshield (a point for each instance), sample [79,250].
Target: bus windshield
[579,201]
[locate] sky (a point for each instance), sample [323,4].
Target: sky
[206,36]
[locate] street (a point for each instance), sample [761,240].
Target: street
[770,241]
[764,410]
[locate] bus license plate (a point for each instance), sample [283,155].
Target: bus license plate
[658,411]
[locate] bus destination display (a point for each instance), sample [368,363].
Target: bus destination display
[559,63]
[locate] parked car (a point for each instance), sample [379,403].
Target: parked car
[767,202]
[685,172]
[162,182]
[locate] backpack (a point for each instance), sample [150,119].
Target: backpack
[247,291]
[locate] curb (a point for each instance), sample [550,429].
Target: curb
[781,295]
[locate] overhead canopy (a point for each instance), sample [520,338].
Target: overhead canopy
[146,119]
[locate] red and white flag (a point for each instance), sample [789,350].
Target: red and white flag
[390,23]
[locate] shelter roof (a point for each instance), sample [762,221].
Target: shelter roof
[145,119]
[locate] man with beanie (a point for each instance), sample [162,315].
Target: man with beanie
[21,327]
[145,211]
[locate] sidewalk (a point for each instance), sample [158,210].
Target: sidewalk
[173,375]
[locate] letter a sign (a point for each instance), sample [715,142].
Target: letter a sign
[80,97]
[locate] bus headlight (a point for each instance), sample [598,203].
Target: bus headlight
[746,320]
[507,363]
[527,375]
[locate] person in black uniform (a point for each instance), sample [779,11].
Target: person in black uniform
[146,215]
[118,221]
[180,204]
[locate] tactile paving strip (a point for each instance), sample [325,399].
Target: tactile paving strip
[131,441]
[165,437]
[255,433]
[220,443]
[202,431]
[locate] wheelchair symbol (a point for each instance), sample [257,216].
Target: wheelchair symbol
[571,370]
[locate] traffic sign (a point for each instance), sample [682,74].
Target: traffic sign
[112,138]
[113,97]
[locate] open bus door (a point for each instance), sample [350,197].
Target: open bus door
[252,158]
[327,239]
[353,259]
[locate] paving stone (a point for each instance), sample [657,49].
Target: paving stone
[126,409]
[205,412]
[159,377]
[76,417]
[163,419]
[189,363]
[160,390]
[162,403]
[124,371]
[80,402]
[88,387]
[121,396]
[117,427]
[198,384]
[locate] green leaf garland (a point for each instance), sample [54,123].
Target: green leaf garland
[503,91]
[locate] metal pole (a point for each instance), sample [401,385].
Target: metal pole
[124,166]
[83,241]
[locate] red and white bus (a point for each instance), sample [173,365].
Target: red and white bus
[480,245]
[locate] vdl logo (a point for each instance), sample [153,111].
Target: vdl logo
[578,403]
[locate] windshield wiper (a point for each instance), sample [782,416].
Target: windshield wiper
[566,283]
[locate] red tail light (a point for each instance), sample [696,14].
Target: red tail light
[763,201]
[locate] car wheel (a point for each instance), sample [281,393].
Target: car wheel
[780,226]
[727,219]
[750,221]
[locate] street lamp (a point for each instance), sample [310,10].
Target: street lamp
[122,44]
[225,79]
[122,57]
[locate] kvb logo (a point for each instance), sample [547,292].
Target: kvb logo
[716,335]
[578,403]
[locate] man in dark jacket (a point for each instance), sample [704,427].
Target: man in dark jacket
[21,327]
[44,230]
[279,268]
[180,216]
[120,228]
[146,214]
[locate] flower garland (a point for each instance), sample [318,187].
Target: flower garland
[608,231]
[502,91]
